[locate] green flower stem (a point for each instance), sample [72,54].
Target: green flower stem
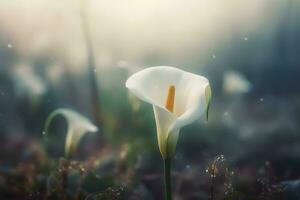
[167,171]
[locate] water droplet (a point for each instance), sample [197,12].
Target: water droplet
[226,113]
[261,99]
[44,132]
[214,56]
[95,70]
[245,38]
[206,170]
[188,166]
[10,46]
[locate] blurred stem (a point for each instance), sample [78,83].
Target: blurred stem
[95,92]
[65,168]
[79,185]
[64,184]
[167,171]
[212,190]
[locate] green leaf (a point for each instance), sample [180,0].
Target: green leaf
[78,126]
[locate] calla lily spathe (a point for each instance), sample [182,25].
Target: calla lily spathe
[78,126]
[178,98]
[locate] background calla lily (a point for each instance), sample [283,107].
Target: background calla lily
[78,126]
[178,98]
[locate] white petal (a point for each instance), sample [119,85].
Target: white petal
[163,119]
[191,100]
[78,120]
[78,126]
[195,107]
[152,84]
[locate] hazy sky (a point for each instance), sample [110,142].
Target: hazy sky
[132,29]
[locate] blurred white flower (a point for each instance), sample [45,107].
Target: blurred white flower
[129,67]
[78,126]
[55,73]
[235,83]
[178,98]
[27,83]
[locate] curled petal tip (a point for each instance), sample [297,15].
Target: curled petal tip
[208,99]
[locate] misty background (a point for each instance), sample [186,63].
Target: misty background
[249,50]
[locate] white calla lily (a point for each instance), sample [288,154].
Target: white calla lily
[78,126]
[178,98]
